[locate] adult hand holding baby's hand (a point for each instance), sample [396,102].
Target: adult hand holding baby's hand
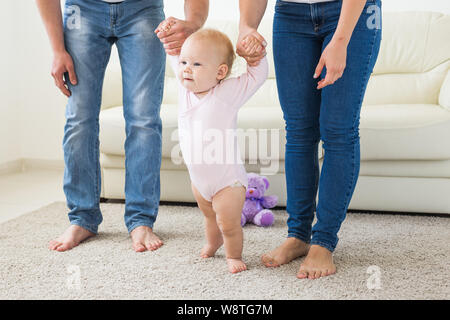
[251,46]
[173,32]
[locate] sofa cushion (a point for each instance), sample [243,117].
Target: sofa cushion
[404,111]
[386,168]
[413,42]
[411,66]
[171,164]
[409,132]
[444,95]
[252,123]
[404,132]
[406,88]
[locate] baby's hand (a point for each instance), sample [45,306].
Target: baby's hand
[253,47]
[172,32]
[165,25]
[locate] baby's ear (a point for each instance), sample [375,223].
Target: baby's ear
[222,72]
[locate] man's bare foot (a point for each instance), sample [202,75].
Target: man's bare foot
[289,250]
[209,250]
[70,238]
[236,265]
[318,263]
[144,239]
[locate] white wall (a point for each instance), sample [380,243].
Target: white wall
[417,5]
[32,109]
[42,105]
[9,108]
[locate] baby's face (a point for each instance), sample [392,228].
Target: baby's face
[200,65]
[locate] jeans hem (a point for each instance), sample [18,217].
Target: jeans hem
[299,237]
[88,227]
[140,224]
[323,244]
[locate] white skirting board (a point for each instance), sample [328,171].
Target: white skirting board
[21,165]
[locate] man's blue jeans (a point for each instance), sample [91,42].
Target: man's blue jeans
[91,27]
[300,34]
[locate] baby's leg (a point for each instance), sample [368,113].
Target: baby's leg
[213,235]
[228,204]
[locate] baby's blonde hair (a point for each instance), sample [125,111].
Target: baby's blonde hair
[221,39]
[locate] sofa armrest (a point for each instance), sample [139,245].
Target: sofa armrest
[444,95]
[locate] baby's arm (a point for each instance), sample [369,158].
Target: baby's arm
[237,91]
[255,76]
[165,26]
[174,62]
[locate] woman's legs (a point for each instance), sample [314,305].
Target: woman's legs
[339,130]
[296,52]
[301,32]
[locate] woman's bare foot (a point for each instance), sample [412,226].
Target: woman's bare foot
[318,263]
[72,237]
[209,250]
[144,239]
[236,265]
[289,250]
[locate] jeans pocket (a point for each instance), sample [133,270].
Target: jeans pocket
[280,3]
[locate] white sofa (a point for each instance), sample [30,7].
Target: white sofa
[404,126]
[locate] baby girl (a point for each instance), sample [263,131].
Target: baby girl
[208,106]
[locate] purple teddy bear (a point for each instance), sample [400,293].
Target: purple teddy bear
[256,203]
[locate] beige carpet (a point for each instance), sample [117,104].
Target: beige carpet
[409,256]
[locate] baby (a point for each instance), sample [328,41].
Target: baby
[208,107]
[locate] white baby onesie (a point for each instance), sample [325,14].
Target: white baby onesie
[207,129]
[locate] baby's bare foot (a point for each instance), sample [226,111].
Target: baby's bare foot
[209,250]
[291,249]
[236,265]
[318,263]
[70,238]
[144,239]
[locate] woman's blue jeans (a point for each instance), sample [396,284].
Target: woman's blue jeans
[300,34]
[91,27]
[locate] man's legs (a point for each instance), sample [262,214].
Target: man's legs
[143,61]
[87,43]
